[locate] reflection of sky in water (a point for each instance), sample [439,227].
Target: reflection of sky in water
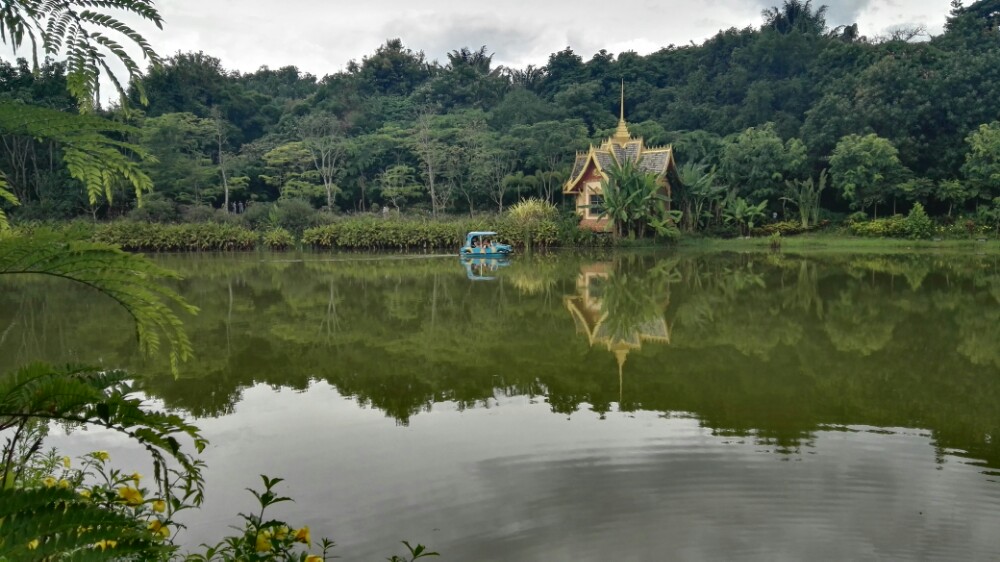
[516,482]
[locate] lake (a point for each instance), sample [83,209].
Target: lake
[576,406]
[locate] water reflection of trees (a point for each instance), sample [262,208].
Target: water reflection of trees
[768,346]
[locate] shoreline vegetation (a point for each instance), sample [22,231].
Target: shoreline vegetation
[377,234]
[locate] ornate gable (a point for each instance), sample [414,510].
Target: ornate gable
[620,147]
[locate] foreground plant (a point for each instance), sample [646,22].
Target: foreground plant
[59,517]
[51,521]
[106,513]
[264,539]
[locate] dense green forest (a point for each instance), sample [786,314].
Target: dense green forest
[767,116]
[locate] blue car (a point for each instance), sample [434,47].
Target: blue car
[480,244]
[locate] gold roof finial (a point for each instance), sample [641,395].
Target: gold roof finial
[620,355]
[621,133]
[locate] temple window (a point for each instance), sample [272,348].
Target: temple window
[596,205]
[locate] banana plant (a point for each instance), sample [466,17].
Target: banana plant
[634,202]
[743,214]
[805,195]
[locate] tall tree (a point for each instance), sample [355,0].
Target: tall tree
[182,144]
[547,148]
[500,164]
[392,70]
[322,134]
[398,184]
[467,163]
[866,170]
[221,138]
[755,163]
[795,15]
[431,151]
[290,164]
[982,162]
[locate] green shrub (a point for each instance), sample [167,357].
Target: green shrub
[295,215]
[892,227]
[258,216]
[197,213]
[858,216]
[784,228]
[278,239]
[139,236]
[155,209]
[531,211]
[918,225]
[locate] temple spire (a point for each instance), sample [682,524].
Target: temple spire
[621,133]
[621,106]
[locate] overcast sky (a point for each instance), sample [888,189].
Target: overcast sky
[320,37]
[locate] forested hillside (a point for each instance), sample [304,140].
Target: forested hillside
[895,120]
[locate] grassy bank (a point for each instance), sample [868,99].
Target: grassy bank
[839,242]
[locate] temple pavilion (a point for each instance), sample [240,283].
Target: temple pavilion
[590,167]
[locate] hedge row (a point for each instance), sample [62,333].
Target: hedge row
[376,233]
[917,225]
[152,237]
[354,233]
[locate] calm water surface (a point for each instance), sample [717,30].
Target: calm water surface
[578,407]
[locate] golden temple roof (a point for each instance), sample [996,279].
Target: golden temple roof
[621,147]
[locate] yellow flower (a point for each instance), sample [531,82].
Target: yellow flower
[49,481]
[102,455]
[314,558]
[65,462]
[302,535]
[130,495]
[159,506]
[85,493]
[105,544]
[33,544]
[136,477]
[157,527]
[263,542]
[281,533]
[64,484]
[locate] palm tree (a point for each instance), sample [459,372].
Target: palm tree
[795,15]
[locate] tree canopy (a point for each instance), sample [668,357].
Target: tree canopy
[765,105]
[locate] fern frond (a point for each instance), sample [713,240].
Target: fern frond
[77,29]
[68,527]
[93,151]
[86,396]
[131,280]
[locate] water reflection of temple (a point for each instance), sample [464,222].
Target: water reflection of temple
[620,331]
